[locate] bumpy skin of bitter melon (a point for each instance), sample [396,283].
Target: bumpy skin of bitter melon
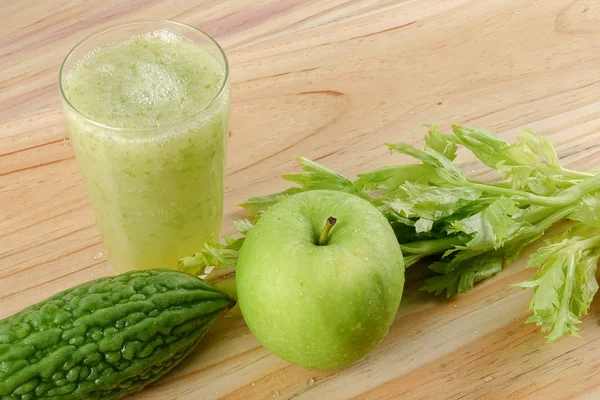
[106,338]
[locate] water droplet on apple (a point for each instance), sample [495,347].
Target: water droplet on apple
[98,255]
[252,384]
[276,394]
[301,293]
[488,378]
[475,331]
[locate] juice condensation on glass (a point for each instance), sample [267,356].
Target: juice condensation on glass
[147,118]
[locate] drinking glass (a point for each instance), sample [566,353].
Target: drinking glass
[156,188]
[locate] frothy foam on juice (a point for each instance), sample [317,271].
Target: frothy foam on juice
[148,81]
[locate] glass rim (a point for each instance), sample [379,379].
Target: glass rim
[140,22]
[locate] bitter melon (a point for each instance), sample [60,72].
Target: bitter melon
[106,338]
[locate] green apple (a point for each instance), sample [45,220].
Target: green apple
[319,279]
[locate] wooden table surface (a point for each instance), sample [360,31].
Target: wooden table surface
[330,80]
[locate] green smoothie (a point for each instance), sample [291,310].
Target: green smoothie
[148,121]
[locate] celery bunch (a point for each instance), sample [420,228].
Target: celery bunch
[466,229]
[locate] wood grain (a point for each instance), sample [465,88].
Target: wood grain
[329,80]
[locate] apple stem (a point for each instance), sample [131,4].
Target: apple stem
[325,232]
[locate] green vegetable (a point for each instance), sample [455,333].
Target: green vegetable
[106,338]
[565,282]
[467,228]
